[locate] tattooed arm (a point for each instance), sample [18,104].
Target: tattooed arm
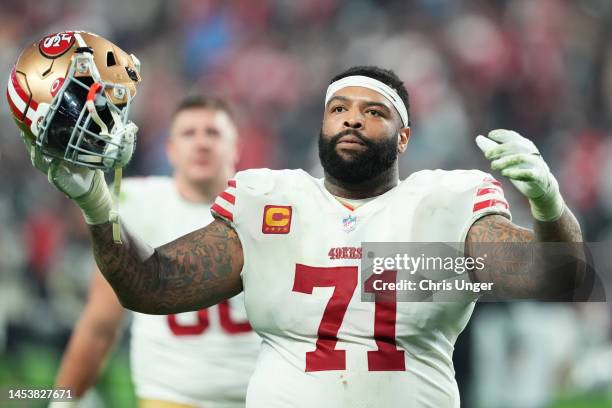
[545,263]
[195,271]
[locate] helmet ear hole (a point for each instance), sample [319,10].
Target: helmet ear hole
[132,74]
[110,59]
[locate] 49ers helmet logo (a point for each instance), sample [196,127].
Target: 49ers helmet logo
[57,44]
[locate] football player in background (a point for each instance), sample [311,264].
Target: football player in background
[292,243]
[192,359]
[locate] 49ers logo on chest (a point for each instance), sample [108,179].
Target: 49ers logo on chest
[57,44]
[276,219]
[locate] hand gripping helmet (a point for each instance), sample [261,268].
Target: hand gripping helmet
[70,94]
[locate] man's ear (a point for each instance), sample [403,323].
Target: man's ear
[402,139]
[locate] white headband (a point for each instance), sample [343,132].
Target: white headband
[373,84]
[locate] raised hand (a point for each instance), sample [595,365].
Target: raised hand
[518,159]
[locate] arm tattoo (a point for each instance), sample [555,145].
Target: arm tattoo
[565,229]
[545,263]
[195,271]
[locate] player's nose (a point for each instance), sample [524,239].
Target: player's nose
[355,121]
[203,141]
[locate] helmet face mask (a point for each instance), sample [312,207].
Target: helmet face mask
[71,128]
[85,118]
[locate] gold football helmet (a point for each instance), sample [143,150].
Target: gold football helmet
[70,94]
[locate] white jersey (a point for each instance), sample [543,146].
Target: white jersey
[322,346]
[200,358]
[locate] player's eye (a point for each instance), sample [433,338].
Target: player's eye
[338,109]
[213,133]
[374,112]
[188,133]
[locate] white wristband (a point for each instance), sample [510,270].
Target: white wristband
[549,207]
[96,204]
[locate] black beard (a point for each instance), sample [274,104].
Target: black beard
[377,158]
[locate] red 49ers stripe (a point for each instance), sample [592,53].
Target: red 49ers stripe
[17,87]
[489,190]
[22,105]
[224,204]
[228,197]
[489,203]
[222,212]
[21,93]
[490,194]
[18,114]
[492,181]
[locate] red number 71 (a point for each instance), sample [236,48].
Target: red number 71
[344,281]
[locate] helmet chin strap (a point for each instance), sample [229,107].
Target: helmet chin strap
[120,144]
[117,146]
[113,215]
[122,147]
[94,89]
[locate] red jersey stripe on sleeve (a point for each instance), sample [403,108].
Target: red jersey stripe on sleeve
[489,203]
[224,204]
[489,190]
[228,197]
[492,181]
[489,198]
[222,212]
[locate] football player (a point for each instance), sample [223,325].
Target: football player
[276,236]
[200,358]
[192,359]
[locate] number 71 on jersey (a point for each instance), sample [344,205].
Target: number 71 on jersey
[344,281]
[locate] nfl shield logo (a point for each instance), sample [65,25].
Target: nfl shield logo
[349,223]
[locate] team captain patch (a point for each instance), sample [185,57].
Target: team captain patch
[276,219]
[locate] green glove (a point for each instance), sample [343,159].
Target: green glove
[519,160]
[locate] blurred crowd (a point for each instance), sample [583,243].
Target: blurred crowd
[543,68]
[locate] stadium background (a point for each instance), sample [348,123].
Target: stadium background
[543,68]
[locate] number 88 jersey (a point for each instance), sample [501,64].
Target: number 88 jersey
[322,345]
